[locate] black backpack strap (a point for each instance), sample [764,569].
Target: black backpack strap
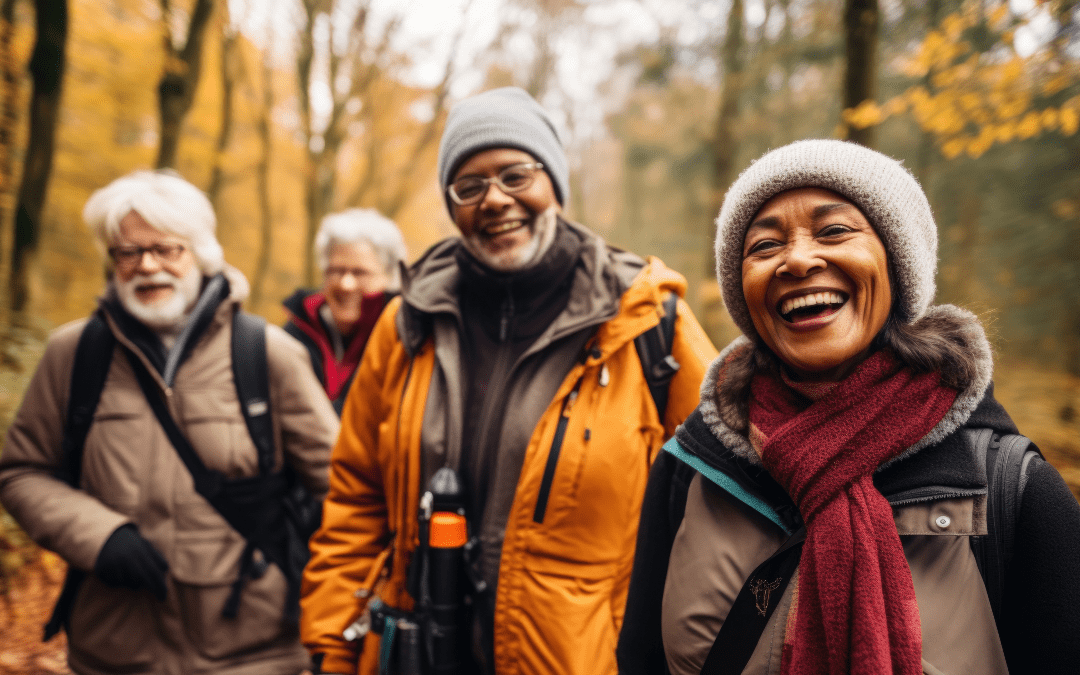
[249,505]
[93,356]
[90,369]
[1007,458]
[251,376]
[208,482]
[654,351]
[750,613]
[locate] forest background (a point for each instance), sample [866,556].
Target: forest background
[286,110]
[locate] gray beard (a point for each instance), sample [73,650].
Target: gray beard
[166,316]
[543,236]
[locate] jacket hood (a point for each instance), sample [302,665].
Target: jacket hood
[608,283]
[946,463]
[726,417]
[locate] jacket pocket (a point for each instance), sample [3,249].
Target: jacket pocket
[114,459]
[581,637]
[258,624]
[113,630]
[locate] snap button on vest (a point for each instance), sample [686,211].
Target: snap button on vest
[943,521]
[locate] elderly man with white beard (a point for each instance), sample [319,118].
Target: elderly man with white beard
[164,575]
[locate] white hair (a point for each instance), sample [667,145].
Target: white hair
[166,202]
[367,226]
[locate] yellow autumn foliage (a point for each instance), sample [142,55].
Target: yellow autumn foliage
[969,99]
[108,126]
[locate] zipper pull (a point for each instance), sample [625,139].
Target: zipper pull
[570,402]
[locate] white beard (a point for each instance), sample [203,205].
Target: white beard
[162,315]
[543,235]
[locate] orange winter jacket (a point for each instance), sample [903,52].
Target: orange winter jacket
[562,581]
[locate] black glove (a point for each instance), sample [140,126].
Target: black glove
[129,561]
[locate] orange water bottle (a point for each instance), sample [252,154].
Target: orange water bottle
[447,536]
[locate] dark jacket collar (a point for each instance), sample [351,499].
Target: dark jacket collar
[215,291]
[294,304]
[432,286]
[532,297]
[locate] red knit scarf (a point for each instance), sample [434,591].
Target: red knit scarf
[856,608]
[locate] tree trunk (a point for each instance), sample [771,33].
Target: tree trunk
[47,72]
[862,18]
[725,140]
[266,218]
[305,57]
[967,241]
[9,123]
[176,90]
[230,66]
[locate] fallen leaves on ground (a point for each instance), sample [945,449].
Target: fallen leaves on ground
[25,605]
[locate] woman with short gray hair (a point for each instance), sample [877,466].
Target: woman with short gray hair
[359,252]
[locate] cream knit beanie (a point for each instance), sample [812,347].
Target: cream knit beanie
[886,193]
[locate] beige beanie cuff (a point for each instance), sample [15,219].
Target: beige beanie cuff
[886,193]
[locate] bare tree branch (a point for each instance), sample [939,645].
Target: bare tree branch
[406,185]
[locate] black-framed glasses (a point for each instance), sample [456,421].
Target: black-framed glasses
[471,189]
[129,256]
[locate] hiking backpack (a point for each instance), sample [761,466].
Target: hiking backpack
[272,510]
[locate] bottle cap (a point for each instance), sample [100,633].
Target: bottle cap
[447,530]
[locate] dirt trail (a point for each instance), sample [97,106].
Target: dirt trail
[24,608]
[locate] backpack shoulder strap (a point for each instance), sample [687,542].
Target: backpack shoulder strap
[93,356]
[251,377]
[654,351]
[90,369]
[1007,458]
[752,609]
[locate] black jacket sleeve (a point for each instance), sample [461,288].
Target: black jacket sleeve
[641,649]
[1041,609]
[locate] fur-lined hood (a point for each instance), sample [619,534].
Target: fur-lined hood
[727,416]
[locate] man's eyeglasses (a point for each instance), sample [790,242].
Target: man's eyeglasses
[471,189]
[129,256]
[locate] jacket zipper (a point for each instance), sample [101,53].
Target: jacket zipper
[500,377]
[931,493]
[553,454]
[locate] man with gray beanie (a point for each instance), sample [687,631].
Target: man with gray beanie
[132,439]
[511,359]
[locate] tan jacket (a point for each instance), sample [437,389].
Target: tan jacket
[721,542]
[131,474]
[733,521]
[562,580]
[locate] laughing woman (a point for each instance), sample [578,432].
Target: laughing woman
[820,511]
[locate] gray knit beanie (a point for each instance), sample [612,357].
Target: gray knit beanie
[502,118]
[880,186]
